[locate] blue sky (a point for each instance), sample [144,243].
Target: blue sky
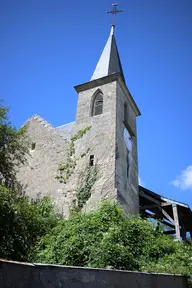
[48,47]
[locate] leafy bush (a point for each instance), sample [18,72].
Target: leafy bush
[13,149]
[108,237]
[22,223]
[179,261]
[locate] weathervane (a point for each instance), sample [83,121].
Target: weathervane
[114,11]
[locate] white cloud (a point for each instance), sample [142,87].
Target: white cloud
[141,182]
[184,180]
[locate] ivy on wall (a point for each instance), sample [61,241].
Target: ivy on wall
[66,169]
[84,190]
[89,177]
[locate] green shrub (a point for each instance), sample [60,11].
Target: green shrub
[13,149]
[108,237]
[22,223]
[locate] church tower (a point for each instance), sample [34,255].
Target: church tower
[94,158]
[105,104]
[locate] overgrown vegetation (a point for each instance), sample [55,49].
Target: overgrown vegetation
[31,231]
[66,169]
[107,237]
[83,192]
[13,149]
[22,222]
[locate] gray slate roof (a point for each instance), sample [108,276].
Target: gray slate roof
[66,130]
[109,62]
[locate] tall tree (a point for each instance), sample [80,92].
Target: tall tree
[13,148]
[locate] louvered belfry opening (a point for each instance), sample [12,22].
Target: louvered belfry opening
[125,113]
[98,104]
[128,164]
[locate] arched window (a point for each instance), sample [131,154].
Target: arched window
[97,105]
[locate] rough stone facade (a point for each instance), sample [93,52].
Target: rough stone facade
[127,185]
[38,174]
[104,141]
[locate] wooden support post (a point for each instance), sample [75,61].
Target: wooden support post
[176,220]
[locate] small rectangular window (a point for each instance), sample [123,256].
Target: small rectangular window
[91,160]
[33,145]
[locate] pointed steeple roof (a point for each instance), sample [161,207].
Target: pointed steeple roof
[109,62]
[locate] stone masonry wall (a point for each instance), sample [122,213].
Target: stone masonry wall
[100,139]
[38,174]
[104,140]
[21,275]
[127,187]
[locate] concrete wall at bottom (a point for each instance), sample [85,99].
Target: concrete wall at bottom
[22,275]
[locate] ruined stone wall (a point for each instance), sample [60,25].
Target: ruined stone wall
[104,140]
[38,174]
[20,275]
[51,149]
[127,185]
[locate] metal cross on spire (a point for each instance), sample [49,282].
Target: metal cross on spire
[114,11]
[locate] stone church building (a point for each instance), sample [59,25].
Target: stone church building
[82,163]
[106,107]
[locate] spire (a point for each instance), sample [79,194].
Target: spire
[109,62]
